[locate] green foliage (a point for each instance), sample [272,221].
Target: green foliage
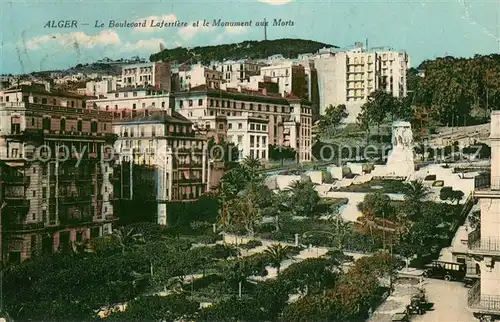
[251,244]
[377,204]
[277,152]
[157,308]
[331,119]
[447,193]
[289,48]
[387,186]
[312,274]
[452,86]
[302,198]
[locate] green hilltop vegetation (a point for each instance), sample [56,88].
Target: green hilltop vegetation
[289,48]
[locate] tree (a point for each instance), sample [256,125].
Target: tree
[379,105]
[332,118]
[244,211]
[311,275]
[277,254]
[447,193]
[414,194]
[303,198]
[377,204]
[157,308]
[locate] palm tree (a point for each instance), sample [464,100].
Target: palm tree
[277,254]
[126,236]
[416,191]
[252,162]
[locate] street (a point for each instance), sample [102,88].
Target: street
[449,298]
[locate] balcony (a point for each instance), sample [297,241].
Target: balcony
[487,186]
[482,302]
[23,227]
[483,246]
[16,180]
[188,181]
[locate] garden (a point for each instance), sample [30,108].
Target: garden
[382,185]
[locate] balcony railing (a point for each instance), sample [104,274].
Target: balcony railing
[477,300]
[16,179]
[483,244]
[487,183]
[23,227]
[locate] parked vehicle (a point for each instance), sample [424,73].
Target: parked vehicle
[418,303]
[449,271]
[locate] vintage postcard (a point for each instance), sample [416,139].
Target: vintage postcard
[250,160]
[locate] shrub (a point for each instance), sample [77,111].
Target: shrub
[438,183]
[430,177]
[251,244]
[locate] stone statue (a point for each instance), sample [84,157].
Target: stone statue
[400,162]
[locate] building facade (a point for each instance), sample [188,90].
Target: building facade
[56,168]
[238,71]
[484,243]
[126,100]
[199,75]
[250,135]
[102,87]
[349,77]
[290,77]
[160,160]
[289,119]
[156,74]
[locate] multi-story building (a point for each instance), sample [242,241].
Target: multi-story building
[238,71]
[289,119]
[199,75]
[156,74]
[102,87]
[291,78]
[250,135]
[56,168]
[129,99]
[484,243]
[161,160]
[350,77]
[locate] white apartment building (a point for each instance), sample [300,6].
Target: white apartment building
[106,85]
[484,243]
[250,135]
[238,71]
[350,77]
[199,75]
[125,100]
[209,110]
[156,74]
[174,159]
[289,76]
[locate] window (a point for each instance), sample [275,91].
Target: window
[207,125]
[15,125]
[46,123]
[264,141]
[221,126]
[212,103]
[116,95]
[135,94]
[32,121]
[93,127]
[230,126]
[240,138]
[257,127]
[264,127]
[163,104]
[63,125]
[153,131]
[180,104]
[44,192]
[252,126]
[35,99]
[251,107]
[200,102]
[44,100]
[133,106]
[190,103]
[259,107]
[79,125]
[240,126]
[34,193]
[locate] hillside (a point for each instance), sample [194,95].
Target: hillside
[289,48]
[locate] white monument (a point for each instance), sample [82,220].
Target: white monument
[400,160]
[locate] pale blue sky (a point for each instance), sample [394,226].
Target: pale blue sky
[425,29]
